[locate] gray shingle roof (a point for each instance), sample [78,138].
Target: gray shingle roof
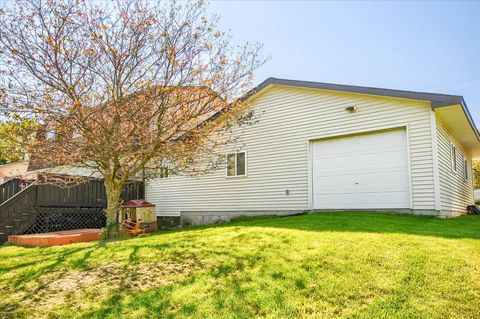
[437,100]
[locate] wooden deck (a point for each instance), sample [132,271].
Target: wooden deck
[56,238]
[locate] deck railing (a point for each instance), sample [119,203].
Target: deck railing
[11,187]
[30,207]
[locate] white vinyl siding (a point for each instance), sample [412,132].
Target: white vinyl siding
[278,146]
[456,192]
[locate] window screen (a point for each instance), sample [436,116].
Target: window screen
[236,164]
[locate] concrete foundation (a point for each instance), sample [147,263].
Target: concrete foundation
[203,218]
[196,218]
[168,222]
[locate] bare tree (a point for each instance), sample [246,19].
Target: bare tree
[125,86]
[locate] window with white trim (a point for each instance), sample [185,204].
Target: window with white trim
[236,164]
[465,169]
[164,171]
[453,154]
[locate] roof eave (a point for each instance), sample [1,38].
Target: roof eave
[436,100]
[462,103]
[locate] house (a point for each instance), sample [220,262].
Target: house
[14,169]
[320,146]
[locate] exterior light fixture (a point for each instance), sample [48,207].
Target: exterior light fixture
[351,109]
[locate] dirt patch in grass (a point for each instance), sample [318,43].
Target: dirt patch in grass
[141,276]
[63,286]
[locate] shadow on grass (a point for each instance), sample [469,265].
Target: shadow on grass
[161,298]
[35,272]
[153,302]
[47,260]
[370,222]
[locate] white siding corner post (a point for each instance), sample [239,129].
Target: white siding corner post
[436,174]
[409,163]
[309,175]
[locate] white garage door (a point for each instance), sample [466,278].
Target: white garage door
[361,172]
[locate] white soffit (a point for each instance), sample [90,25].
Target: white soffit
[454,118]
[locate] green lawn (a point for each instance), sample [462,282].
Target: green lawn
[336,265]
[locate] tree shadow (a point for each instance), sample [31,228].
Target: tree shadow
[50,259]
[34,273]
[18,266]
[133,257]
[82,263]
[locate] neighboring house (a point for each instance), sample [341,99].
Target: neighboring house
[319,146]
[11,170]
[24,169]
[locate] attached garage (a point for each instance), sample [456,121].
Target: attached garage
[365,171]
[321,146]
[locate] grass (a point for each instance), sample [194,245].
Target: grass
[332,265]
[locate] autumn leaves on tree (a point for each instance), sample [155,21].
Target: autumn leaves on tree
[124,87]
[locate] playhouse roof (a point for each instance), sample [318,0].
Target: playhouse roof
[136,203]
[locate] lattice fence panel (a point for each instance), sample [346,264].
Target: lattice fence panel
[50,219]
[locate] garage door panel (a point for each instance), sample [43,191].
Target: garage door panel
[393,197]
[324,164]
[367,199]
[365,141]
[393,156]
[364,171]
[322,151]
[342,162]
[326,200]
[369,179]
[395,178]
[344,190]
[367,160]
[396,199]
[394,140]
[323,185]
[324,172]
[346,197]
[344,179]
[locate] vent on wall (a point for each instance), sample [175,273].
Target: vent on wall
[351,109]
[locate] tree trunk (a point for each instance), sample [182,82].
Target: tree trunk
[113,190]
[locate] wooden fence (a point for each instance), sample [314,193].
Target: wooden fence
[9,188]
[18,212]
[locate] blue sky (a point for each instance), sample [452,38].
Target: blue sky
[419,46]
